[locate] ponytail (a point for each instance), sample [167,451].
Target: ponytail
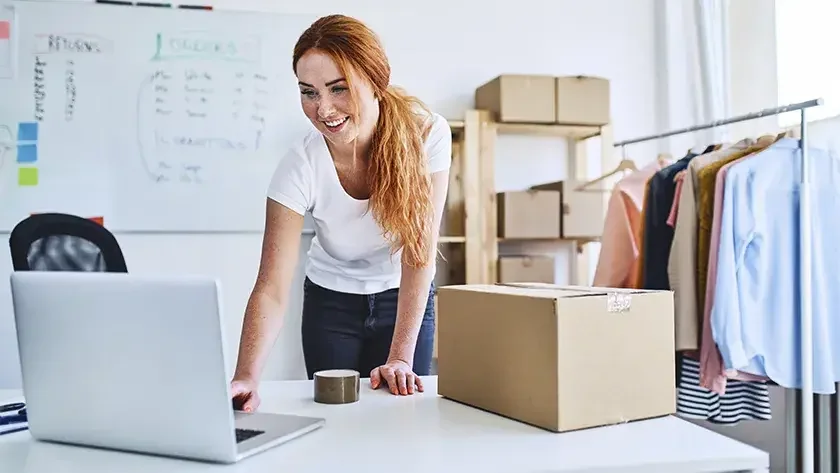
[401,189]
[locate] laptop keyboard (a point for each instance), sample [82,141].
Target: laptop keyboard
[245,434]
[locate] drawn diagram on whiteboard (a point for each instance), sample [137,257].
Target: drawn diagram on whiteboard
[203,107]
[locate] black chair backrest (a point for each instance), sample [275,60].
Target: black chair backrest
[62,242]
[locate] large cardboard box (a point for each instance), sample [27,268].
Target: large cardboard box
[582,100]
[527,268]
[519,98]
[528,214]
[560,358]
[581,211]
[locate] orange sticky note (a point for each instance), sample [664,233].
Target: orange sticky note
[5,30]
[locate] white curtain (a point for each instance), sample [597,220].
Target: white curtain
[693,49]
[709,43]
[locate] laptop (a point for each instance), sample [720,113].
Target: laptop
[135,363]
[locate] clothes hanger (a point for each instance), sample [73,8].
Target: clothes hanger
[623,166]
[664,159]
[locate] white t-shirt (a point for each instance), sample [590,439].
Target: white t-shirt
[348,252]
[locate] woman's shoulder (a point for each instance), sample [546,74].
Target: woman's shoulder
[438,140]
[433,126]
[301,149]
[304,144]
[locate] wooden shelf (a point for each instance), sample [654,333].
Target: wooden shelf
[472,199]
[543,240]
[577,132]
[456,124]
[452,239]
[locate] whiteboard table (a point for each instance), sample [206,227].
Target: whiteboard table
[419,433]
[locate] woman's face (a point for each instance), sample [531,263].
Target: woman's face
[326,100]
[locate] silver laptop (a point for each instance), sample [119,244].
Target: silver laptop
[135,363]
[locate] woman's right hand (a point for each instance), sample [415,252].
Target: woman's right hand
[244,395]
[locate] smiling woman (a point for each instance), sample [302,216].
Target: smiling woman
[373,173]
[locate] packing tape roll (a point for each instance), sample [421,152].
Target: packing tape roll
[336,386]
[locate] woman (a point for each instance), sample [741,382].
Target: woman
[374,175]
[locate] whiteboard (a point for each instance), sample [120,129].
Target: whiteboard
[157,119]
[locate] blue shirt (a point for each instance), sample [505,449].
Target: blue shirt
[756,317]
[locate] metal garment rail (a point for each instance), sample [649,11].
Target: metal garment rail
[805,448]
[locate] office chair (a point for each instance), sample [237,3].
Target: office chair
[62,242]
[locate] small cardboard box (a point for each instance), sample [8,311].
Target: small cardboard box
[560,358]
[582,211]
[519,98]
[528,214]
[582,100]
[527,268]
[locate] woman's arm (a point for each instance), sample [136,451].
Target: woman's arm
[411,305]
[269,298]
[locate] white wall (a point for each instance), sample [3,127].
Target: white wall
[441,52]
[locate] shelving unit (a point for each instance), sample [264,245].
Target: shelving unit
[470,244]
[471,210]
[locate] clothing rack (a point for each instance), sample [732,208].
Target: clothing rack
[807,391]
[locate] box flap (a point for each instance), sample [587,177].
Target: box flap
[504,289]
[574,291]
[620,296]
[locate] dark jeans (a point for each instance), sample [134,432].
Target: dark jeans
[354,331]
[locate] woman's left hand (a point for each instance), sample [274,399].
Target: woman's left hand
[398,376]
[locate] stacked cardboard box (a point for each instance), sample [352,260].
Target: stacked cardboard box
[530,98]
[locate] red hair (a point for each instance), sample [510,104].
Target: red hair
[400,185]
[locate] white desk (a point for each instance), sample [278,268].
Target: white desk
[419,433]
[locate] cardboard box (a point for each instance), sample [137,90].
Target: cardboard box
[527,268]
[582,100]
[581,211]
[519,98]
[560,358]
[435,345]
[528,214]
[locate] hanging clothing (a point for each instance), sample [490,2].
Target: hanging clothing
[672,217]
[755,317]
[712,375]
[705,208]
[638,272]
[658,235]
[745,400]
[742,400]
[682,259]
[619,253]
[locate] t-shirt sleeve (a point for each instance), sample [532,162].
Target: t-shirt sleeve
[439,145]
[291,184]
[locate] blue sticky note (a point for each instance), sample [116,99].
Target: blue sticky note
[28,131]
[27,153]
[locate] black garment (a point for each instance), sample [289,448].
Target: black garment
[658,234]
[354,331]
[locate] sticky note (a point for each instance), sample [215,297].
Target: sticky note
[28,131]
[5,30]
[27,176]
[27,153]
